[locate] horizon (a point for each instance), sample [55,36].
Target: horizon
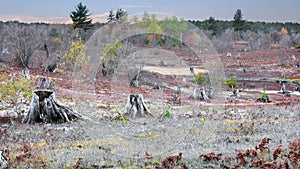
[34,11]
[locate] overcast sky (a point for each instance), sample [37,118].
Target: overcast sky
[58,11]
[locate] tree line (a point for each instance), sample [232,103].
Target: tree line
[23,38]
[240,24]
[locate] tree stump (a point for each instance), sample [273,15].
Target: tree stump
[133,76]
[3,161]
[51,67]
[45,108]
[282,88]
[235,92]
[192,72]
[284,91]
[199,93]
[136,107]
[25,73]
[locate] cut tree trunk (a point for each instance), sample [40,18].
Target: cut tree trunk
[3,161]
[25,73]
[235,92]
[133,75]
[45,108]
[282,88]
[136,107]
[199,93]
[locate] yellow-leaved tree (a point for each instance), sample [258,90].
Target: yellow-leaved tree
[284,31]
[75,57]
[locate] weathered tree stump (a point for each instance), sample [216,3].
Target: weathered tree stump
[282,88]
[51,67]
[45,108]
[199,93]
[25,73]
[104,69]
[235,92]
[156,86]
[3,160]
[136,107]
[284,91]
[192,71]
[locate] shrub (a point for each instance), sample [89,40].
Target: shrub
[15,89]
[264,97]
[167,113]
[201,79]
[231,82]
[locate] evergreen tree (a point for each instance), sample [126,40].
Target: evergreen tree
[111,17]
[120,15]
[238,22]
[80,17]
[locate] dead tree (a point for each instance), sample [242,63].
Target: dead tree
[51,65]
[45,108]
[133,76]
[136,107]
[199,93]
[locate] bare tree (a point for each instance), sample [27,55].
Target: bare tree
[133,76]
[25,40]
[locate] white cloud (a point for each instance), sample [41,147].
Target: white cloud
[100,17]
[28,19]
[52,19]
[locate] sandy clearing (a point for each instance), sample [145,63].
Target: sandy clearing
[180,71]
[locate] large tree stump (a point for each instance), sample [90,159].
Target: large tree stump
[45,108]
[136,107]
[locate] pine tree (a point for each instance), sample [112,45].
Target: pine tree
[111,17]
[80,17]
[238,22]
[120,15]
